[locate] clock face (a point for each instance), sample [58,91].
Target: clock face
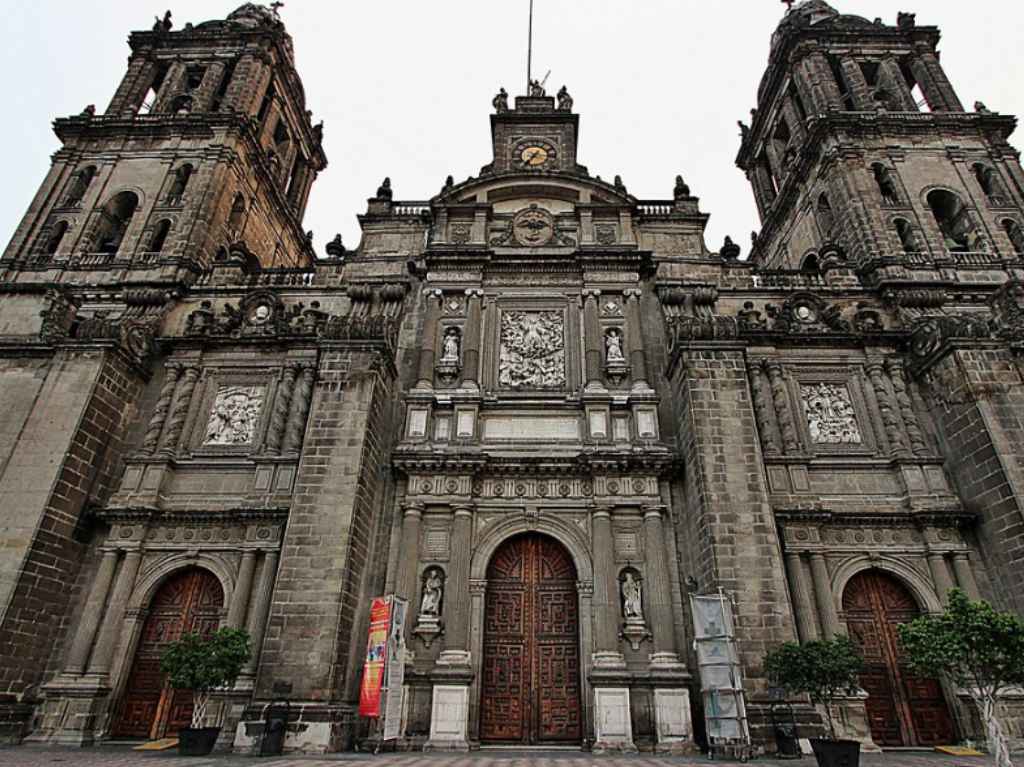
[533,154]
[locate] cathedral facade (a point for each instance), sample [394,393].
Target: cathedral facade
[541,410]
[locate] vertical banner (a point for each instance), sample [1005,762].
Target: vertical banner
[394,678]
[376,657]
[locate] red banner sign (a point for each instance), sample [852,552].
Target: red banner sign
[376,657]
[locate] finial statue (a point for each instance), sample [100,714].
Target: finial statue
[744,129]
[318,132]
[980,108]
[384,190]
[730,250]
[906,20]
[753,239]
[309,238]
[89,111]
[448,184]
[335,248]
[163,25]
[619,186]
[564,100]
[682,188]
[536,89]
[500,102]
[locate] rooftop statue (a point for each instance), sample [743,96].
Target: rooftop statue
[500,101]
[564,100]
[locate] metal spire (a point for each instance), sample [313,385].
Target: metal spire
[529,52]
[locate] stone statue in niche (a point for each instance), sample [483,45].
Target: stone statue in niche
[236,410]
[532,352]
[428,622]
[634,629]
[448,364]
[613,346]
[830,416]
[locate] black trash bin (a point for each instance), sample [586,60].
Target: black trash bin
[784,725]
[275,726]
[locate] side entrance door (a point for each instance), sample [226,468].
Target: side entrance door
[189,601]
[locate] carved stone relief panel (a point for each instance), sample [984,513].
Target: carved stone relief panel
[532,352]
[235,414]
[831,419]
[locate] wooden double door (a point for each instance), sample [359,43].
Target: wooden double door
[903,709]
[190,601]
[530,683]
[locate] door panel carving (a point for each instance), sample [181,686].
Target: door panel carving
[190,601]
[531,665]
[903,710]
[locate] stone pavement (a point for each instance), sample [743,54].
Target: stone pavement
[30,756]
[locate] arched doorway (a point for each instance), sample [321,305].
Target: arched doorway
[189,601]
[903,710]
[530,685]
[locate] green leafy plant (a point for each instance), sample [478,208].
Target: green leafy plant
[824,669]
[978,649]
[203,664]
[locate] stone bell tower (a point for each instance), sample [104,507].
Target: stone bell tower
[860,140]
[205,152]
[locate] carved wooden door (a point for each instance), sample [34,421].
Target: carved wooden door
[903,710]
[531,667]
[190,601]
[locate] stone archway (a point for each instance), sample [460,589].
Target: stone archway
[902,709]
[190,600]
[530,691]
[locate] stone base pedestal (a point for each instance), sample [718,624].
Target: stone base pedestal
[75,711]
[15,720]
[613,722]
[313,728]
[672,722]
[449,718]
[609,661]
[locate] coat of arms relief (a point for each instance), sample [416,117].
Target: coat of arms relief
[532,350]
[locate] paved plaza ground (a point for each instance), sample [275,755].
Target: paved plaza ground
[28,756]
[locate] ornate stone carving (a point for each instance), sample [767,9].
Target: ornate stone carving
[236,410]
[532,350]
[461,233]
[605,234]
[807,313]
[428,622]
[615,360]
[533,227]
[1008,311]
[631,602]
[930,333]
[830,416]
[450,363]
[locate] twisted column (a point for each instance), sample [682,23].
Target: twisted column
[163,404]
[179,412]
[113,622]
[763,410]
[783,414]
[634,338]
[428,349]
[282,408]
[471,339]
[243,588]
[659,590]
[592,339]
[893,432]
[906,407]
[94,604]
[302,396]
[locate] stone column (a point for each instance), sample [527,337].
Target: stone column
[456,636]
[432,314]
[94,604]
[301,398]
[243,589]
[783,413]
[282,408]
[965,575]
[163,404]
[856,84]
[763,410]
[113,622]
[823,84]
[471,339]
[179,412]
[659,590]
[829,617]
[412,522]
[606,592]
[257,623]
[891,421]
[906,407]
[937,89]
[891,76]
[635,339]
[805,625]
[592,340]
[940,575]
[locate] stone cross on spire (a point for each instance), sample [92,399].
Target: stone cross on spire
[789,4]
[276,7]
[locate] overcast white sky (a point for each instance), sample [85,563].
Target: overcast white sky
[404,86]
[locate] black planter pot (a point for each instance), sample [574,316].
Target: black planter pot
[836,753]
[197,741]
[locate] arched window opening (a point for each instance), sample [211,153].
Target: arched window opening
[780,140]
[156,244]
[54,239]
[1015,233]
[181,179]
[954,221]
[225,83]
[148,102]
[114,219]
[886,185]
[237,215]
[810,264]
[826,220]
[268,99]
[840,80]
[990,183]
[906,234]
[194,78]
[297,180]
[80,185]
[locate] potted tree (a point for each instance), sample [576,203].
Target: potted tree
[825,670]
[978,649]
[203,664]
